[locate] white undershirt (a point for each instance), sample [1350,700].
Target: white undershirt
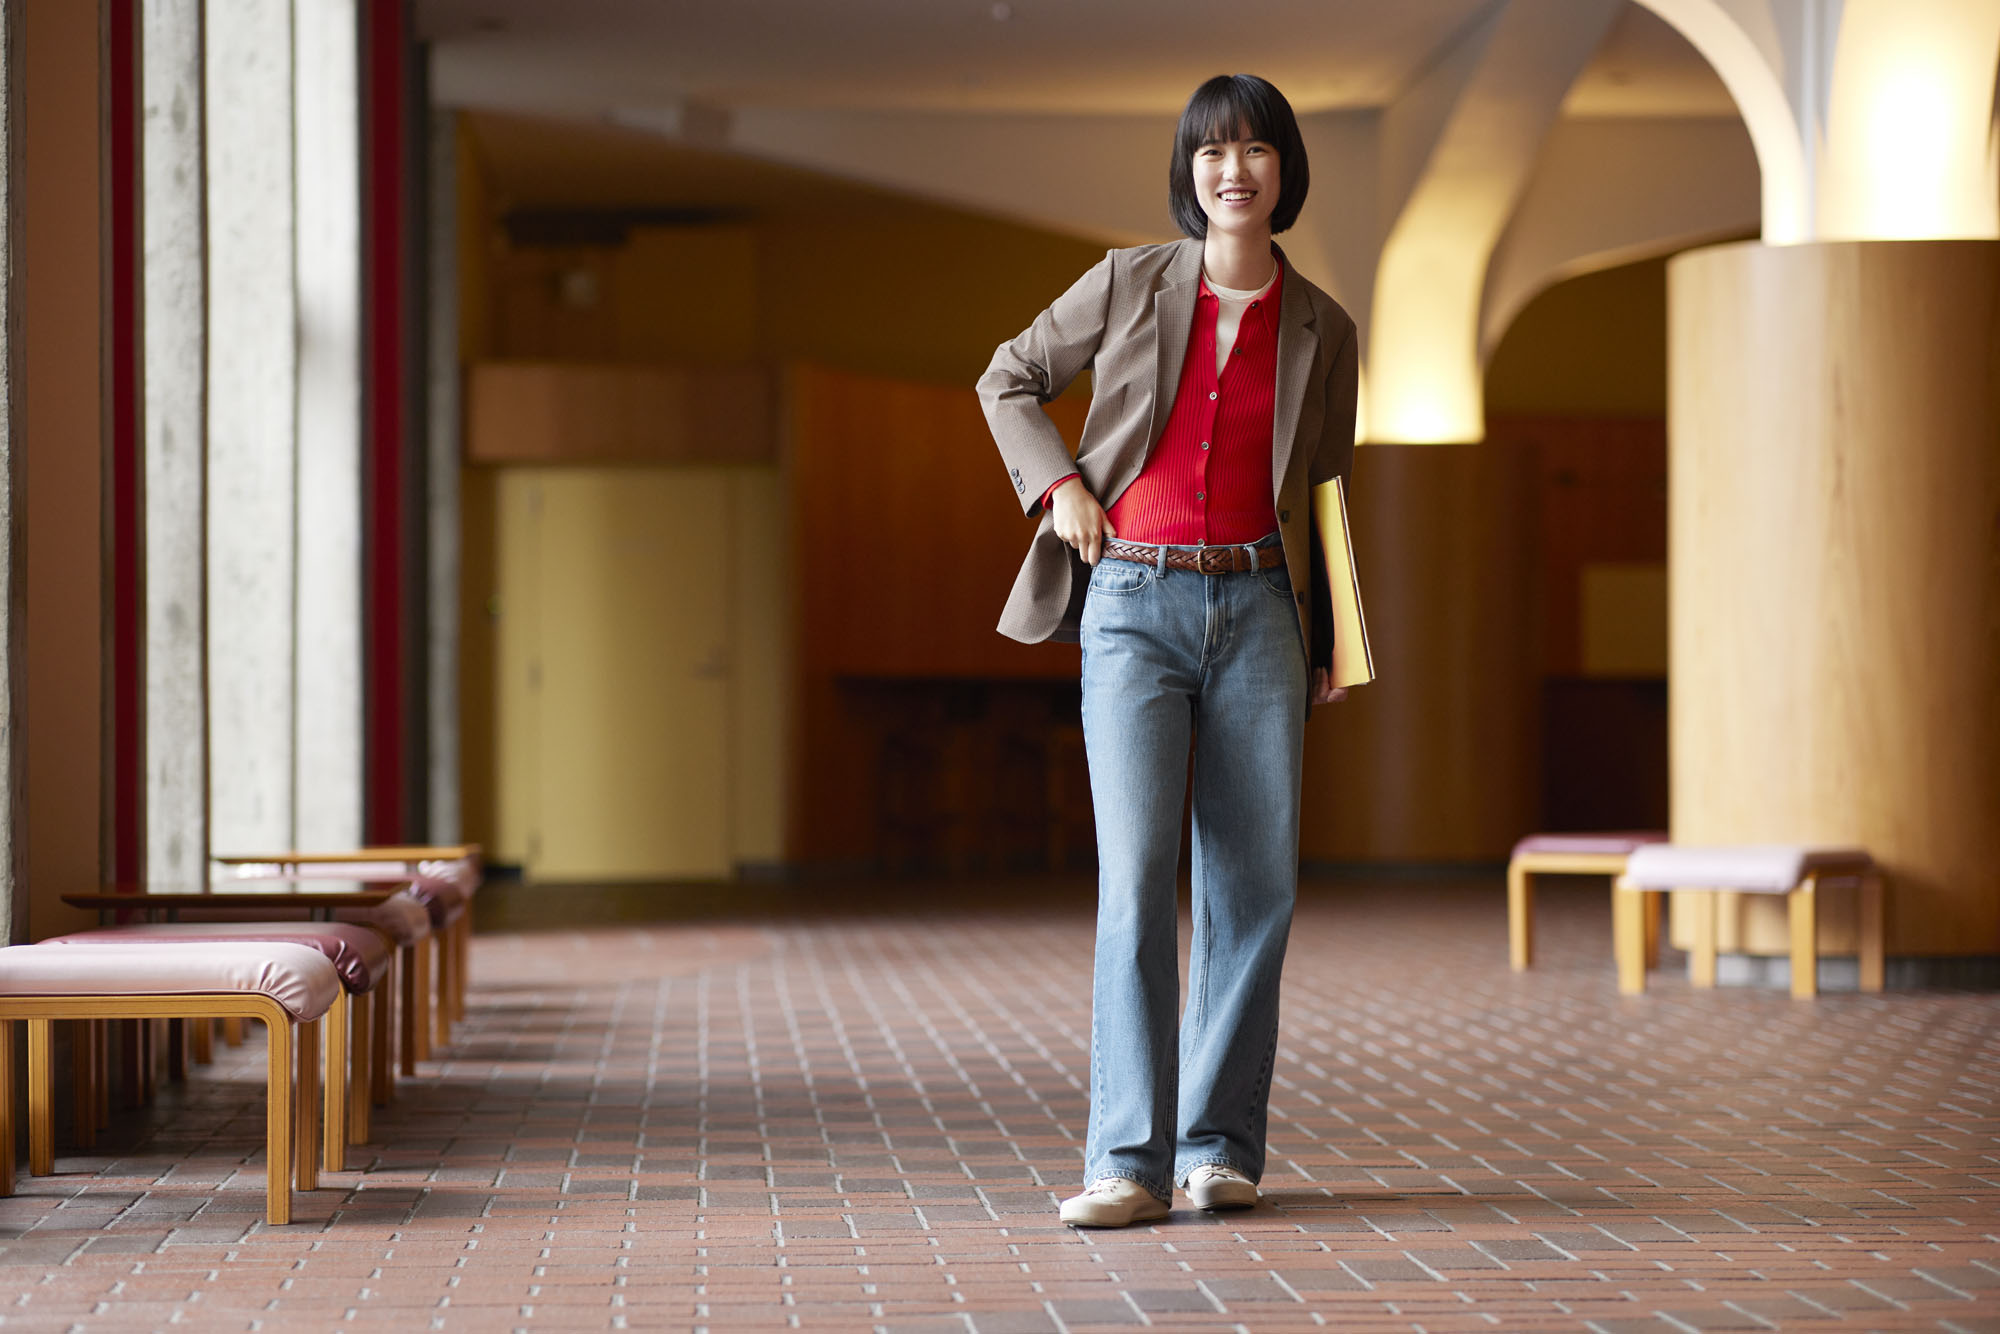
[1229,314]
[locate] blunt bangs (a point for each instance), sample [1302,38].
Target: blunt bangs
[1237,106]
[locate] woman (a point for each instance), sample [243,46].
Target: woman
[1176,546]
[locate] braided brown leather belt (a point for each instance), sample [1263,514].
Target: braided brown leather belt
[1206,560]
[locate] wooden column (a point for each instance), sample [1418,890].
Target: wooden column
[1835,560]
[1435,760]
[59,335]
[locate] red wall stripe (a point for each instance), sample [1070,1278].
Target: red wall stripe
[127,813]
[386,44]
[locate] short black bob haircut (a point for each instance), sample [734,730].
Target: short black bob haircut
[1237,106]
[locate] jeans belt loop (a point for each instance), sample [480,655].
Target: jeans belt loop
[1255,557]
[1160,566]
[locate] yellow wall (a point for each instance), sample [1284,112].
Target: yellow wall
[1593,346]
[922,293]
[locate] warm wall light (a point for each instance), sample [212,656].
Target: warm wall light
[1424,377]
[1909,153]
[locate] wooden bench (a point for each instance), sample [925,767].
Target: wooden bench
[1561,854]
[445,877]
[359,955]
[1796,871]
[287,987]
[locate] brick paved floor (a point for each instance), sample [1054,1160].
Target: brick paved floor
[862,1120]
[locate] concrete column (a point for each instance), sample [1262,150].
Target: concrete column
[252,405]
[327,663]
[443,453]
[176,351]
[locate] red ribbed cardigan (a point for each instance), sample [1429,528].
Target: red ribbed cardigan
[1208,480]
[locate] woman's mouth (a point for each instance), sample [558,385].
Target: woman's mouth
[1236,196]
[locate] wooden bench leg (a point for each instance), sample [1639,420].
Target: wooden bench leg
[132,1061]
[6,1107]
[382,1049]
[1654,902]
[232,1032]
[417,1007]
[177,1050]
[461,941]
[83,1082]
[41,1100]
[1628,934]
[278,1120]
[201,1042]
[305,1107]
[446,972]
[1520,917]
[1803,907]
[149,1061]
[1701,960]
[1872,967]
[361,1066]
[100,1055]
[334,1081]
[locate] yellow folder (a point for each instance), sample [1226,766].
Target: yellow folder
[1353,664]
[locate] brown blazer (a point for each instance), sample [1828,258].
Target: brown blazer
[1127,321]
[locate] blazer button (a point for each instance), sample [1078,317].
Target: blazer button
[1302,597]
[1284,516]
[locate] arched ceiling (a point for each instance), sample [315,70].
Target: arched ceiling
[1022,56]
[1426,120]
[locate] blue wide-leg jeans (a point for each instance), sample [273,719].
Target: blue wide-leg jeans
[1173,656]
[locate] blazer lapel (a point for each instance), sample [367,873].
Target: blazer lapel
[1173,313]
[1298,344]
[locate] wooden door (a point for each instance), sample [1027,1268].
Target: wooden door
[616,673]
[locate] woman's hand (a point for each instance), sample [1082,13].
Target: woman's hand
[1080,520]
[1324,691]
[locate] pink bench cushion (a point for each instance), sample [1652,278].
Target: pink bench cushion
[359,955]
[296,976]
[1606,845]
[442,899]
[460,872]
[1750,868]
[403,919]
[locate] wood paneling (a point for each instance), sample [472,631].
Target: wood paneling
[906,537]
[58,342]
[551,412]
[1835,453]
[1601,498]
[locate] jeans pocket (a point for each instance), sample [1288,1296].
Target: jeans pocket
[1117,578]
[1277,582]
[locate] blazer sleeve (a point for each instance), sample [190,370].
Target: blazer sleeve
[1335,454]
[1034,368]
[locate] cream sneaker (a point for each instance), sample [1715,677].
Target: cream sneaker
[1213,1186]
[1112,1202]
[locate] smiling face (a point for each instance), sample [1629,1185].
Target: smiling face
[1236,183]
